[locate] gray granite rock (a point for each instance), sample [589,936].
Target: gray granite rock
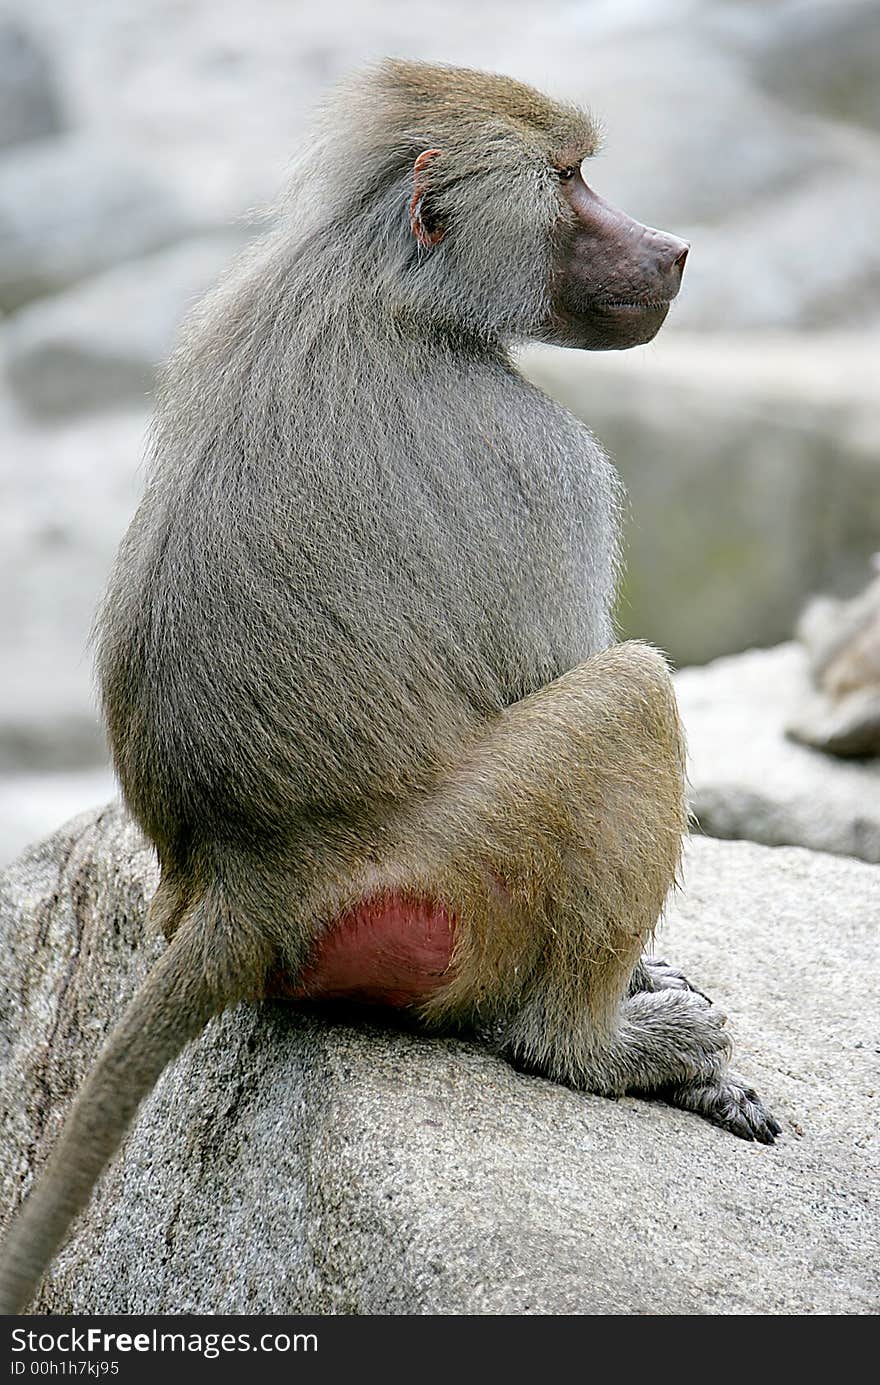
[748,780]
[32,804]
[72,205]
[66,497]
[757,268]
[29,101]
[752,464]
[99,344]
[291,1162]
[825,55]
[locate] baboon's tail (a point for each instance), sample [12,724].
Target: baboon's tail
[199,974]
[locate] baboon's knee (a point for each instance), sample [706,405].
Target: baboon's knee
[644,689]
[629,710]
[639,761]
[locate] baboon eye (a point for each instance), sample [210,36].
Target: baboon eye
[565,173]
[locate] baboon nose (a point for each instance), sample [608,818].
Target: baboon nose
[670,256]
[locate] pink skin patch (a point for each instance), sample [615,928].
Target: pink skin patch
[389,950]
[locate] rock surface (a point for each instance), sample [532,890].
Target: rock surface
[757,268]
[825,56]
[29,801]
[292,1163]
[749,781]
[71,206]
[101,343]
[29,101]
[751,464]
[64,504]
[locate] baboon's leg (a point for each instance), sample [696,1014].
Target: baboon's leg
[554,847]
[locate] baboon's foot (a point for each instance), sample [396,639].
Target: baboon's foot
[671,1044]
[727,1101]
[656,974]
[679,1029]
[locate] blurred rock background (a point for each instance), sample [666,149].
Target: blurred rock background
[138,138]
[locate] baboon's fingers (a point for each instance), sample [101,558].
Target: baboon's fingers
[660,976]
[729,1103]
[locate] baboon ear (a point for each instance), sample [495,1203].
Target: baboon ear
[425,227]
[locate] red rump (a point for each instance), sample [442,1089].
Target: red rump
[389,950]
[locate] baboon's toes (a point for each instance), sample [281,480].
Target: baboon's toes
[664,977]
[738,1108]
[728,1101]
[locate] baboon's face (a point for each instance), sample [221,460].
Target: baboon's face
[612,279]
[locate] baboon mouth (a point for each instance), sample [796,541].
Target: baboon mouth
[637,305]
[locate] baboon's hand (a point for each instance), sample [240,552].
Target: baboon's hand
[728,1101]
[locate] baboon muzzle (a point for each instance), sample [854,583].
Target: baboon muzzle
[617,277]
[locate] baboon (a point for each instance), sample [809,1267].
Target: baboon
[356,653]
